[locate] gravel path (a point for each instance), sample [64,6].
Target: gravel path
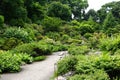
[37,71]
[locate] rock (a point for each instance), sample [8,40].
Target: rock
[60,78]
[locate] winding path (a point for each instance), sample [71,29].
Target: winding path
[43,70]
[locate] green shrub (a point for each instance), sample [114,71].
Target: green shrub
[51,24]
[39,58]
[18,33]
[1,21]
[97,75]
[77,50]
[85,27]
[74,42]
[111,44]
[26,58]
[64,38]
[110,64]
[34,30]
[69,30]
[88,35]
[34,49]
[17,22]
[54,46]
[9,62]
[65,65]
[53,35]
[2,41]
[9,43]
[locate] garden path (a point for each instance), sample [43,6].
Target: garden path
[42,70]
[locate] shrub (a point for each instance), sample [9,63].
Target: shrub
[1,21]
[9,43]
[74,42]
[110,64]
[17,22]
[34,30]
[39,58]
[110,44]
[97,75]
[72,31]
[65,38]
[88,35]
[2,41]
[26,58]
[18,33]
[34,49]
[65,65]
[86,28]
[9,62]
[53,35]
[51,24]
[54,46]
[77,50]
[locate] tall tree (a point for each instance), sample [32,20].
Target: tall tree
[57,9]
[91,13]
[14,11]
[77,7]
[109,22]
[113,7]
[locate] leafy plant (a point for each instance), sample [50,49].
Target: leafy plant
[97,75]
[77,50]
[34,49]
[108,63]
[39,58]
[65,65]
[110,44]
[51,24]
[9,62]
[1,21]
[18,33]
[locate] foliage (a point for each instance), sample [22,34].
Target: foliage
[43,47]
[1,21]
[77,7]
[36,12]
[85,27]
[78,50]
[110,44]
[39,58]
[88,65]
[34,49]
[108,63]
[91,13]
[88,35]
[53,35]
[9,62]
[57,9]
[112,7]
[26,58]
[34,30]
[14,12]
[109,22]
[10,43]
[51,24]
[97,75]
[65,65]
[18,33]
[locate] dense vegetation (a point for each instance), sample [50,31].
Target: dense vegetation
[32,29]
